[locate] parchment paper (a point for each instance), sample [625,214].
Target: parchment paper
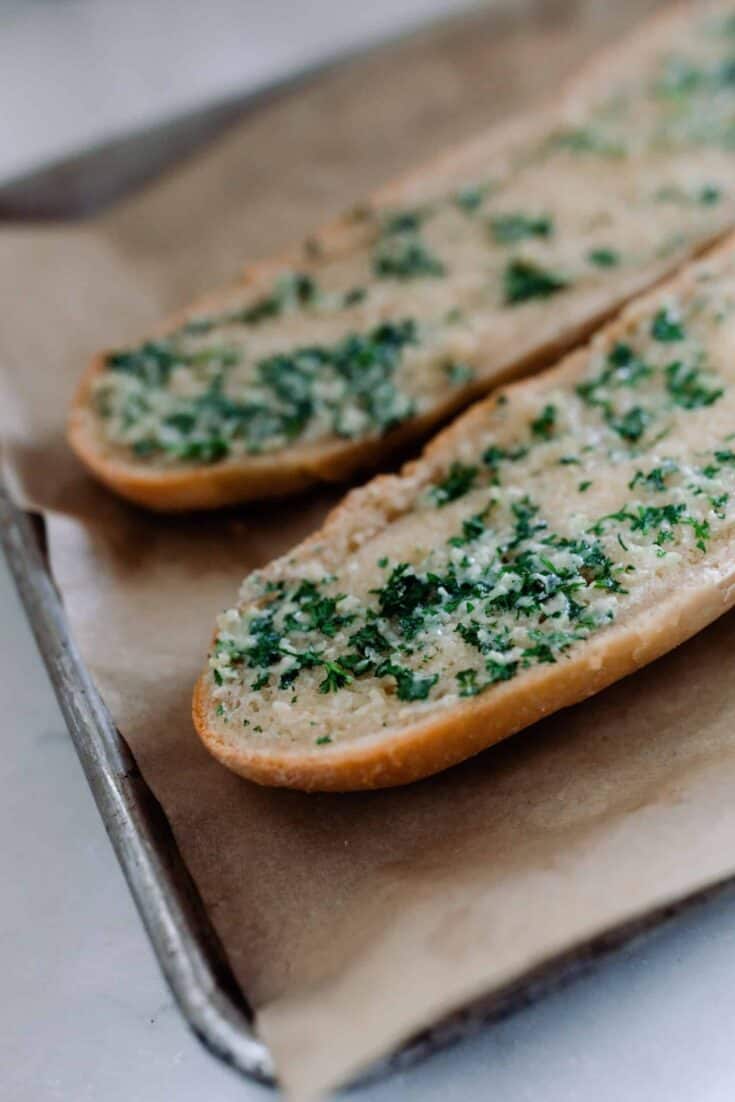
[350,921]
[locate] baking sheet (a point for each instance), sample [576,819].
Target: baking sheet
[403,904]
[171,909]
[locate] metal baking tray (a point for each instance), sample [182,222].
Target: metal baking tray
[172,911]
[188,951]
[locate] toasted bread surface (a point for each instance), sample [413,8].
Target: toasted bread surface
[477,269]
[558,536]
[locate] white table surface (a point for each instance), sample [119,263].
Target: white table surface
[85,1013]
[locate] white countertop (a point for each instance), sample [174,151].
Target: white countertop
[85,1012]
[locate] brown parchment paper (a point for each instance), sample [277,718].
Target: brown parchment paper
[350,921]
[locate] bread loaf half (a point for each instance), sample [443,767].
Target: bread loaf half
[559,535]
[472,271]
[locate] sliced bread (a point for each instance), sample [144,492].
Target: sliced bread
[559,535]
[470,272]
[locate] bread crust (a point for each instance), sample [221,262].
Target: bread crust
[230,481]
[400,755]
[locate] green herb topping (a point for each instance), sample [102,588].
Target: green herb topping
[458,482]
[688,386]
[507,229]
[469,199]
[656,479]
[536,578]
[349,386]
[400,252]
[235,383]
[683,383]
[667,327]
[508,589]
[524,280]
[604,257]
[543,425]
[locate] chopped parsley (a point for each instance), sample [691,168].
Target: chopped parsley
[543,426]
[507,229]
[154,361]
[291,290]
[655,479]
[403,221]
[400,252]
[317,612]
[349,386]
[631,425]
[709,194]
[623,368]
[404,597]
[685,383]
[494,455]
[467,683]
[472,529]
[409,685]
[604,257]
[470,199]
[667,326]
[688,386]
[659,519]
[336,677]
[354,296]
[406,257]
[459,481]
[524,280]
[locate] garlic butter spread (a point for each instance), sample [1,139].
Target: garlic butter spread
[567,504]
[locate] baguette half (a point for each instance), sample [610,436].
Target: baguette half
[480,268]
[558,536]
